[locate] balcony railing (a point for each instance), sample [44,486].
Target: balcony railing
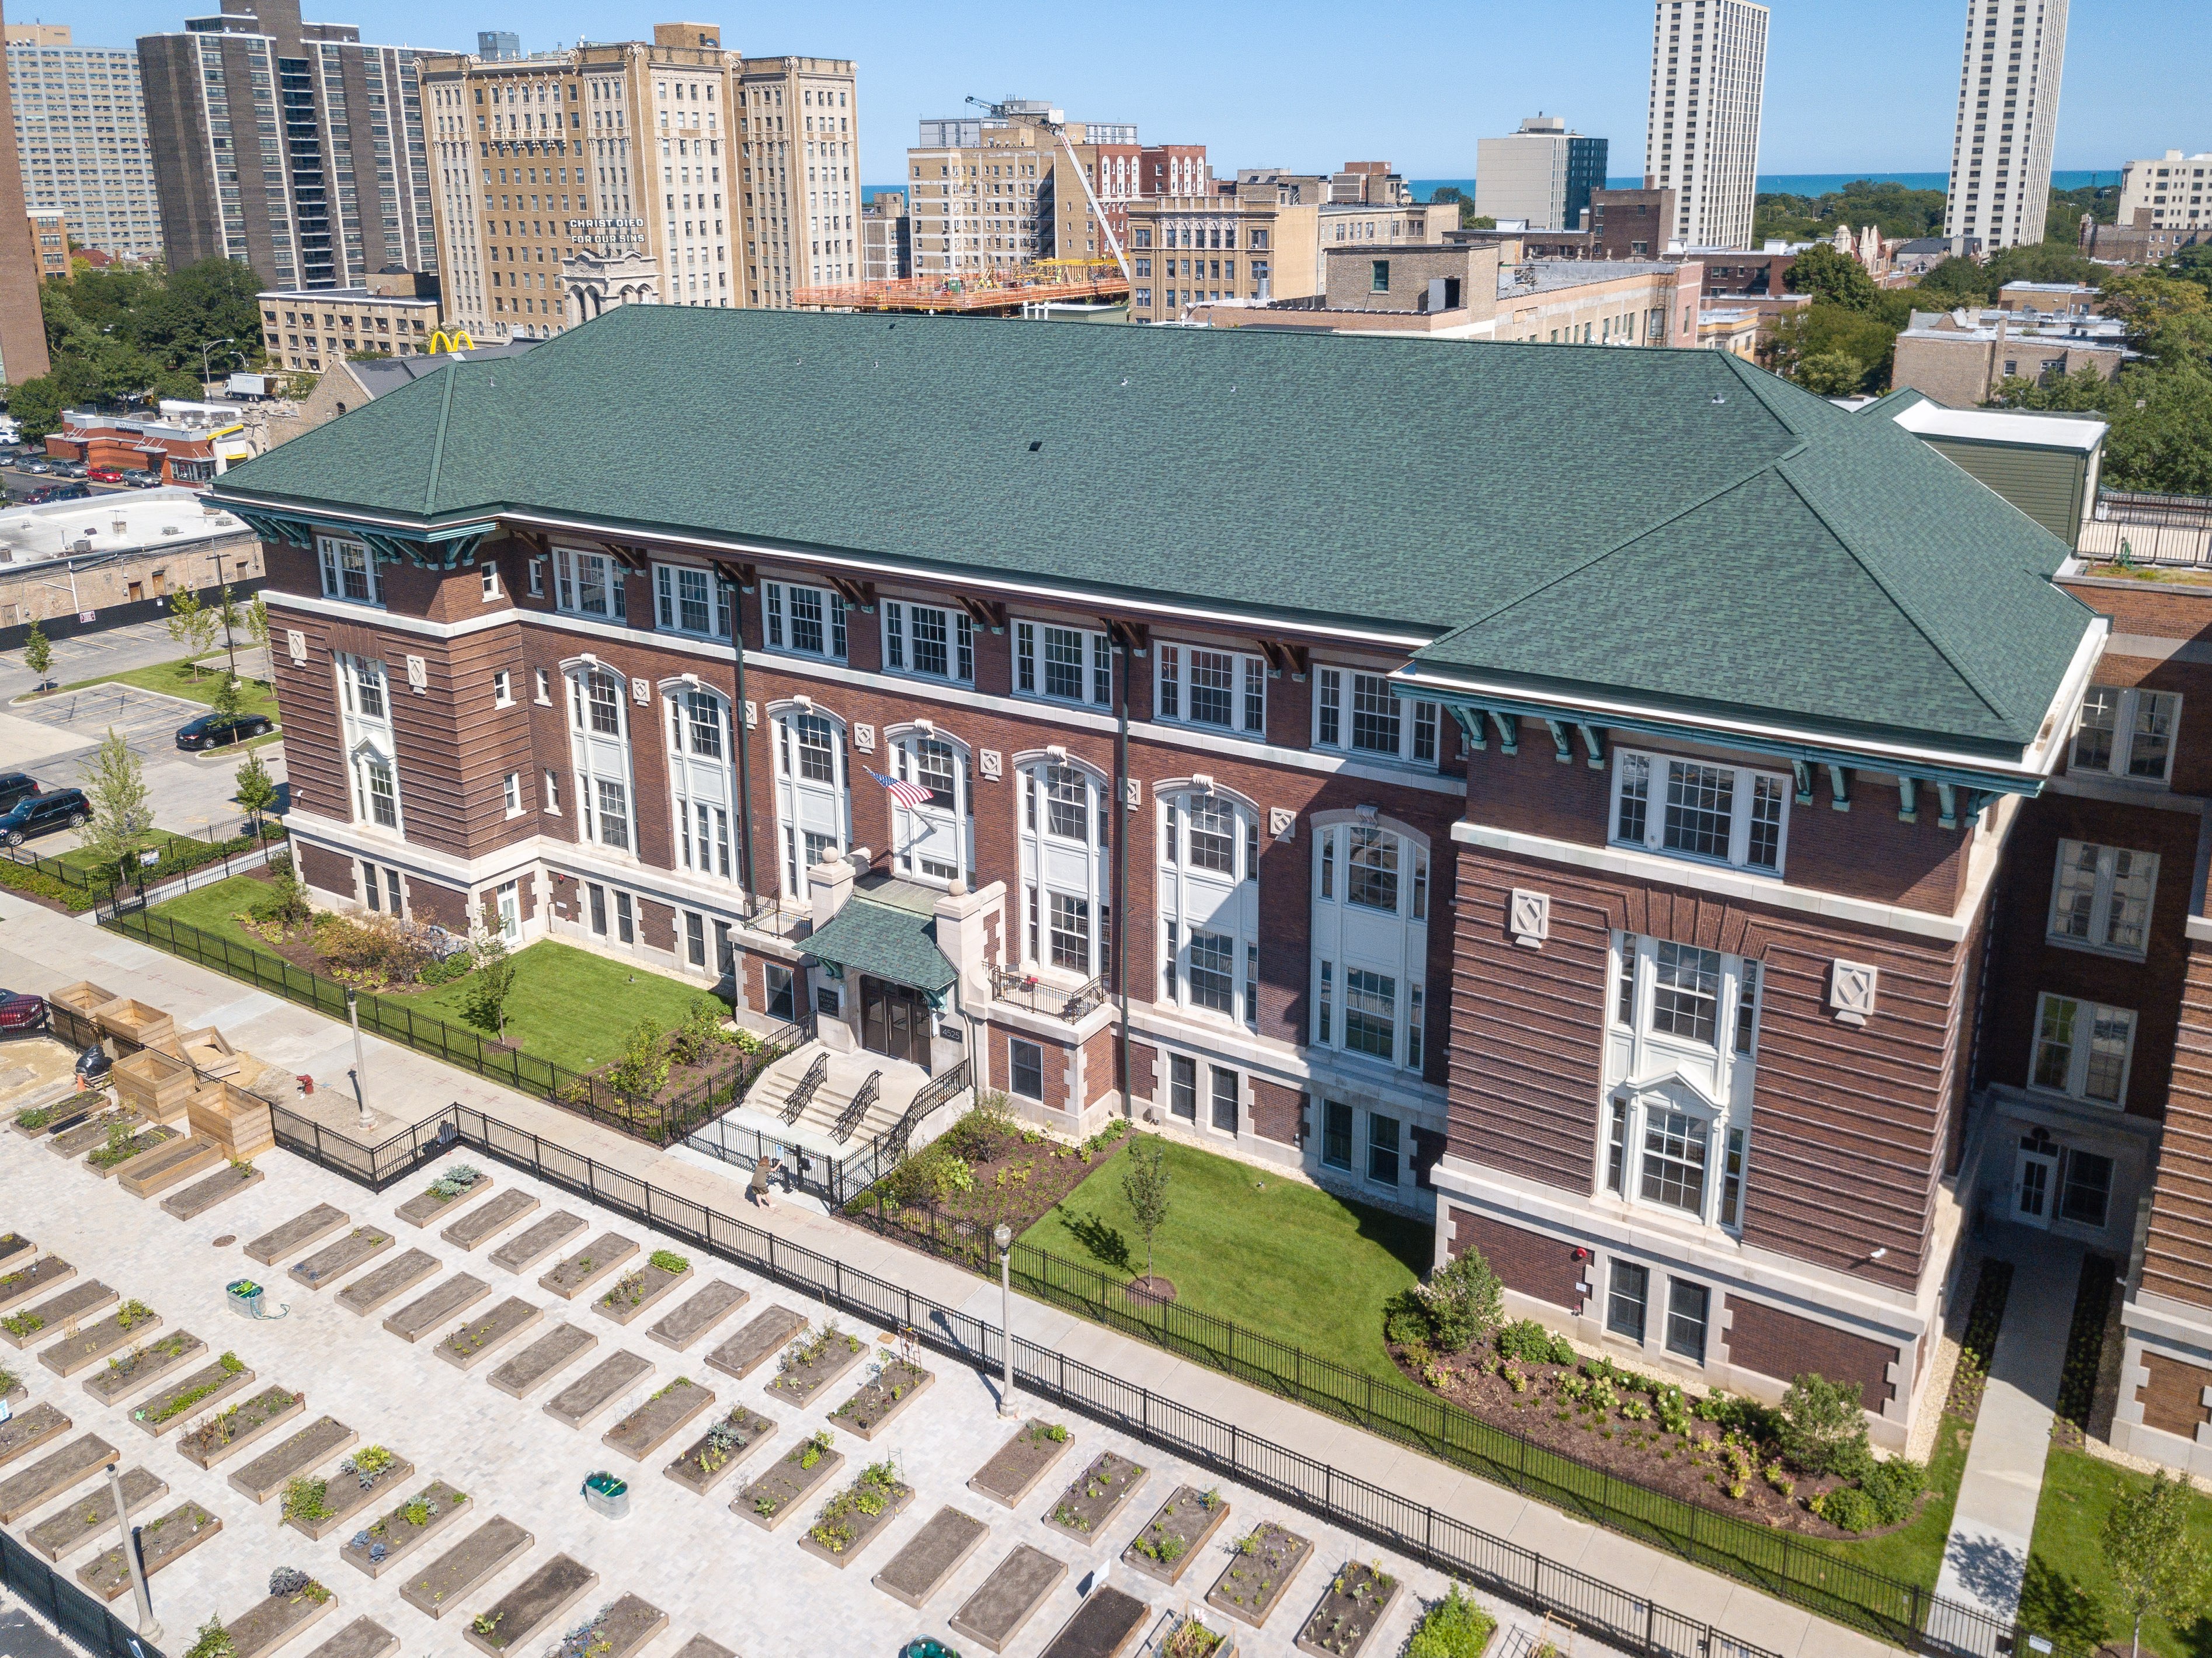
[1024,989]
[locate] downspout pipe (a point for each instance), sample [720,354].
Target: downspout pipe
[1123,817]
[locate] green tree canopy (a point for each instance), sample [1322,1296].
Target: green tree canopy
[1839,278]
[1900,212]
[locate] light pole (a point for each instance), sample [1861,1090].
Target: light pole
[359,1065]
[147,1626]
[206,373]
[1003,1237]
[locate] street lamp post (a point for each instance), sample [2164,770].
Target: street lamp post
[359,1065]
[147,1626]
[1003,1237]
[207,373]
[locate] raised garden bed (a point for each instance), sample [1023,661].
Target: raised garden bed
[373,1292]
[588,1266]
[1185,1635]
[165,1166]
[133,1021]
[1009,1597]
[713,1303]
[1106,1626]
[461,1184]
[781,1493]
[930,1555]
[124,1150]
[41,1276]
[1173,1538]
[471,1230]
[302,1231]
[231,1430]
[537,1600]
[615,1631]
[441,1586]
[64,1533]
[850,1520]
[1016,1467]
[722,1450]
[481,1337]
[1260,1573]
[160,1542]
[557,1349]
[334,1260]
[51,1475]
[659,1419]
[1344,1619]
[294,1602]
[134,1320]
[597,1388]
[160,1085]
[93,1131]
[51,1317]
[202,1390]
[220,1187]
[1097,1495]
[274,1471]
[22,1433]
[364,1638]
[537,1241]
[426,1313]
[764,1335]
[14,1247]
[881,1397]
[700,1647]
[633,1295]
[806,1367]
[141,1367]
[316,1508]
[381,1547]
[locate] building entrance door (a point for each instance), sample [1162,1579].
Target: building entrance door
[894,1021]
[2035,1179]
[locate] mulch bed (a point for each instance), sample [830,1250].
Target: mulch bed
[1153,1288]
[1017,1173]
[1979,1341]
[2085,1350]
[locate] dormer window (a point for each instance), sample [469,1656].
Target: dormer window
[1699,809]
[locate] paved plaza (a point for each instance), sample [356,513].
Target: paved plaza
[712,1571]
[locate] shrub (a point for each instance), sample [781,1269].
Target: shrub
[1532,1343]
[1455,1627]
[1463,1302]
[643,1068]
[1847,1508]
[1891,1488]
[1821,1428]
[700,1033]
[371,954]
[455,966]
[285,905]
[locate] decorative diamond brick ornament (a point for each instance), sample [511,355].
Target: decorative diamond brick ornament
[994,763]
[418,675]
[1132,793]
[1283,823]
[1528,917]
[295,643]
[641,692]
[752,716]
[864,739]
[1851,990]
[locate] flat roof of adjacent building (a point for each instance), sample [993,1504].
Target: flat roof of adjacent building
[350,296]
[1553,274]
[1930,419]
[166,517]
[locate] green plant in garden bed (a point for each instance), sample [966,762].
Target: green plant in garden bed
[133,1314]
[1455,1627]
[876,1490]
[231,1364]
[454,1182]
[213,1642]
[22,1324]
[305,1499]
[668,1261]
[37,1117]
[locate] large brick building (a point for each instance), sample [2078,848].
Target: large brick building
[1615,885]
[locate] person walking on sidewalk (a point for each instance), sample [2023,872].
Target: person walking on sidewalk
[759,1187]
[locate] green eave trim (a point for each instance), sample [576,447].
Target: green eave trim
[445,546]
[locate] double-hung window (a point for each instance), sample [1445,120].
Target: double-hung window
[2082,1049]
[689,600]
[2126,732]
[1356,713]
[924,639]
[1226,690]
[1697,809]
[349,570]
[1371,912]
[1068,665]
[599,742]
[588,584]
[2100,898]
[806,621]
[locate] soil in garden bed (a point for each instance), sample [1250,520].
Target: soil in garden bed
[720,1451]
[779,1493]
[1015,1174]
[1979,1341]
[1260,1573]
[849,1522]
[809,1366]
[616,1630]
[1096,1495]
[316,1508]
[1174,1536]
[1356,1600]
[1019,1463]
[881,1397]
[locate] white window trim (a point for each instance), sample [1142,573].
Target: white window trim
[1740,821]
[1172,657]
[491,587]
[1027,771]
[2123,736]
[327,549]
[567,584]
[2077,1068]
[1201,1122]
[1028,650]
[776,619]
[1410,716]
[512,788]
[896,619]
[502,688]
[678,734]
[581,738]
[1411,1005]
[668,604]
[2100,912]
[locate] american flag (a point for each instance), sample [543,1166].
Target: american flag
[909,795]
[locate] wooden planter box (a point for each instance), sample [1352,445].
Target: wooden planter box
[233,1429]
[706,1465]
[619,1630]
[94,1342]
[26,1329]
[141,1367]
[1254,1582]
[91,1518]
[426,1208]
[426,1313]
[1356,1601]
[399,1534]
[201,1196]
[555,1351]
[104,1161]
[278,1619]
[166,1166]
[227,1116]
[1009,1597]
[23,1433]
[1087,1506]
[480,1337]
[713,1304]
[439,1588]
[531,1606]
[597,1388]
[1016,1467]
[307,1228]
[50,1476]
[133,1021]
[364,1638]
[184,1399]
[588,1266]
[160,1542]
[763,1337]
[841,1530]
[1106,1626]
[335,1259]
[787,1486]
[883,1397]
[534,1243]
[207,1053]
[474,1229]
[344,1496]
[805,1371]
[158,1086]
[41,1276]
[659,1419]
[84,999]
[1174,1537]
[306,1450]
[635,1294]
[940,1548]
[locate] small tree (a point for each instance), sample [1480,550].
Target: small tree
[191,626]
[1822,1427]
[494,979]
[38,652]
[257,790]
[230,695]
[1464,1301]
[2157,1567]
[1145,1185]
[121,814]
[642,1071]
[257,621]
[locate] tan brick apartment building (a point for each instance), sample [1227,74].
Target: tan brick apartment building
[1624,907]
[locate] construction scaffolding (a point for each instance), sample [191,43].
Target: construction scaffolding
[985,293]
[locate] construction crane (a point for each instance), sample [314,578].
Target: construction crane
[1058,130]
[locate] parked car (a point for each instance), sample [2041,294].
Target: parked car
[36,466]
[58,492]
[213,731]
[105,474]
[16,786]
[21,1013]
[71,469]
[139,478]
[42,814]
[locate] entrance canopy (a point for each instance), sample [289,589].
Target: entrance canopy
[886,941]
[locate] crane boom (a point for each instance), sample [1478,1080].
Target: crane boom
[1058,130]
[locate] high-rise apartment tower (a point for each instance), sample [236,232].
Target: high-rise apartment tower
[80,132]
[1701,138]
[2007,117]
[1543,175]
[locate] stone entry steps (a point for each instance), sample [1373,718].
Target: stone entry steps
[830,1109]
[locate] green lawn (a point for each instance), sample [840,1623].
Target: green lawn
[210,908]
[1274,1256]
[155,840]
[1914,1553]
[2068,1593]
[177,678]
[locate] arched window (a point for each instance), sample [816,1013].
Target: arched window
[814,809]
[365,709]
[934,841]
[1209,898]
[699,773]
[1066,921]
[599,740]
[1370,941]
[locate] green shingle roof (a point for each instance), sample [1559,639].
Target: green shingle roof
[1669,525]
[891,942]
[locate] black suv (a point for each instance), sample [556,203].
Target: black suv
[16,786]
[42,814]
[212,730]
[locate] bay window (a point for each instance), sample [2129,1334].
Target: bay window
[1226,690]
[930,642]
[588,584]
[690,600]
[349,570]
[1068,664]
[2126,732]
[1697,809]
[2100,898]
[1370,913]
[1356,712]
[2082,1049]
[805,621]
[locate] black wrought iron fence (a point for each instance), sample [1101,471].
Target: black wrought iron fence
[79,886]
[69,1608]
[836,1179]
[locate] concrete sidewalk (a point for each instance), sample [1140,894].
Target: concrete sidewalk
[41,951]
[1985,1557]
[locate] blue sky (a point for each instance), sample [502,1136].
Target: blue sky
[1852,85]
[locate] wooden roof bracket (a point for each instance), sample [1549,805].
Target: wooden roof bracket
[987,613]
[1285,657]
[859,595]
[1136,636]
